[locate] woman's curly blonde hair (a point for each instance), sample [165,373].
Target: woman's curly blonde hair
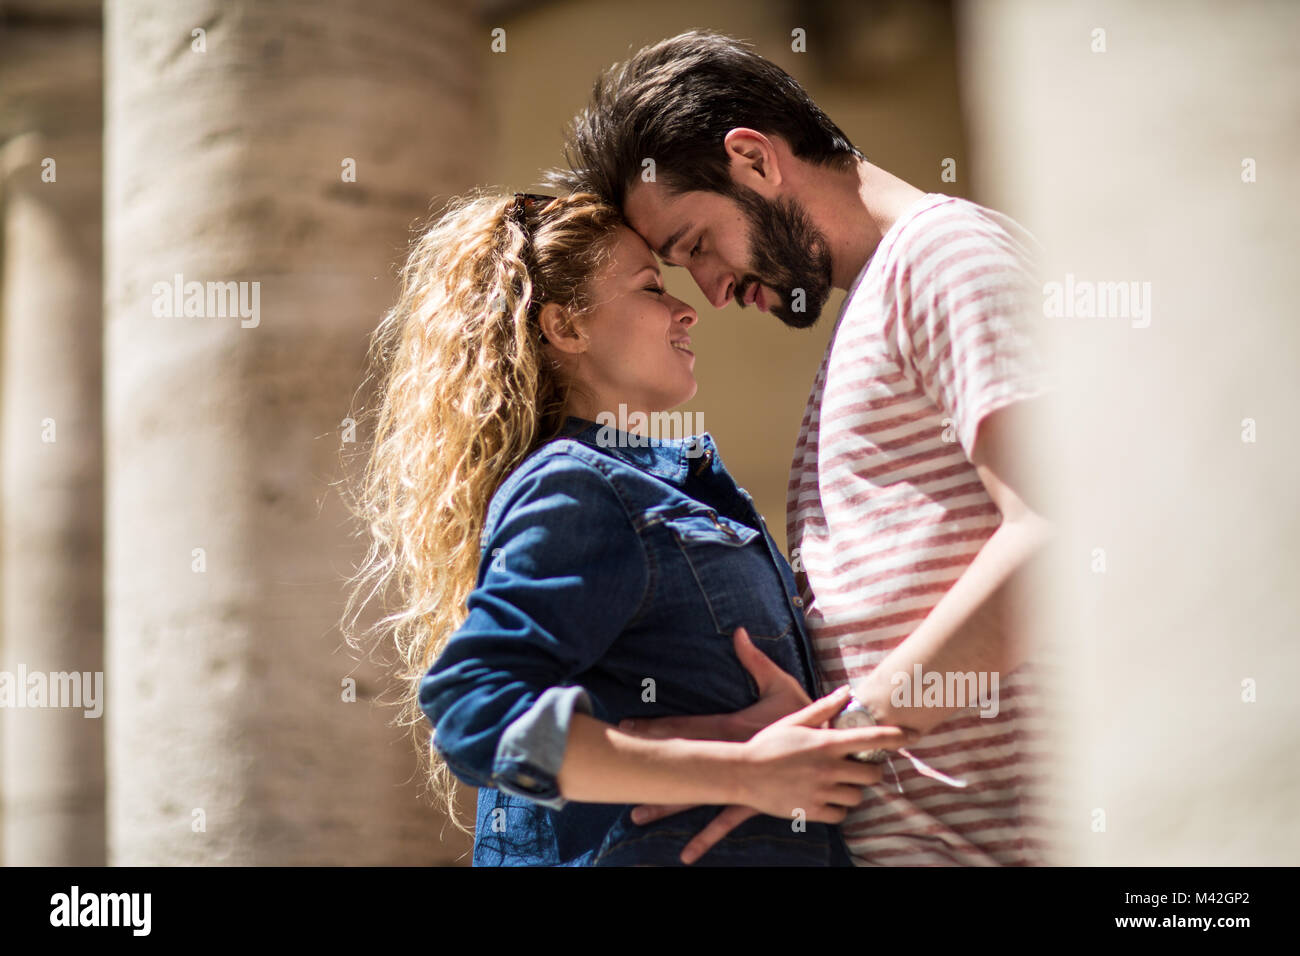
[463,392]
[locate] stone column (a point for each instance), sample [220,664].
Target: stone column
[52,773]
[1152,146]
[231,133]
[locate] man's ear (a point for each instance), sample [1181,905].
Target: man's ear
[754,160]
[560,329]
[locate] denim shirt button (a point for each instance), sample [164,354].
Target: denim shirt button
[797,601]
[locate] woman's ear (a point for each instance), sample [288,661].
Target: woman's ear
[560,330]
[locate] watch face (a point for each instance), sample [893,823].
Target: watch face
[853,717]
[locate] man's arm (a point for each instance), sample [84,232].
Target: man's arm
[975,626]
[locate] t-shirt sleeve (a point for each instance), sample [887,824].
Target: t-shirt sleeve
[962,296]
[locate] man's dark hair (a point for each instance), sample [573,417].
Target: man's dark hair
[674,102]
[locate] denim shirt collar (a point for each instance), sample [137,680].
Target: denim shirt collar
[668,458]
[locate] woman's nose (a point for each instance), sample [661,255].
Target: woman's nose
[683,313]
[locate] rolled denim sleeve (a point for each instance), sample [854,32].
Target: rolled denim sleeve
[532,748]
[564,573]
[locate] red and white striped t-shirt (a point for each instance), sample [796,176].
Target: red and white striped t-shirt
[887,511]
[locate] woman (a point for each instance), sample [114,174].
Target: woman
[566,575]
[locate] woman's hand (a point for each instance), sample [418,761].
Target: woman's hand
[796,765]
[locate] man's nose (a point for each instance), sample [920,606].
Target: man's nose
[714,286]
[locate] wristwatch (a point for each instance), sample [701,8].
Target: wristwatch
[857,714]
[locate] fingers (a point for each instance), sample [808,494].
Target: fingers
[851,741]
[706,727]
[835,809]
[656,727]
[719,827]
[650,812]
[759,665]
[857,774]
[846,795]
[819,711]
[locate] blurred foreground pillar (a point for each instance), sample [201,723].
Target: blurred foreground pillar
[52,775]
[1152,147]
[244,270]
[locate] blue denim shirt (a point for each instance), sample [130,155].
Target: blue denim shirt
[614,570]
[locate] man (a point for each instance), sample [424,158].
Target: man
[907,506]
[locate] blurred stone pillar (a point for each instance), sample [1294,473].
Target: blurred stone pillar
[52,775]
[1153,145]
[229,133]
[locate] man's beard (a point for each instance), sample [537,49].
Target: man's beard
[788,252]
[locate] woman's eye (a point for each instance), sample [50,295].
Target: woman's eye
[655,289]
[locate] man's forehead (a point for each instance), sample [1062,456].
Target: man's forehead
[657,214]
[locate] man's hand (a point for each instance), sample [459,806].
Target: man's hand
[796,765]
[779,695]
[787,773]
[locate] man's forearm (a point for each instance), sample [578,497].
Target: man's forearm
[973,628]
[604,765]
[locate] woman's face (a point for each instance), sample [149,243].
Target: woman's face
[633,347]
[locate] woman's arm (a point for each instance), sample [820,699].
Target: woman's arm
[789,766]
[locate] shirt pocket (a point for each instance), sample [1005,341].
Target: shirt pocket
[735,574]
[714,574]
